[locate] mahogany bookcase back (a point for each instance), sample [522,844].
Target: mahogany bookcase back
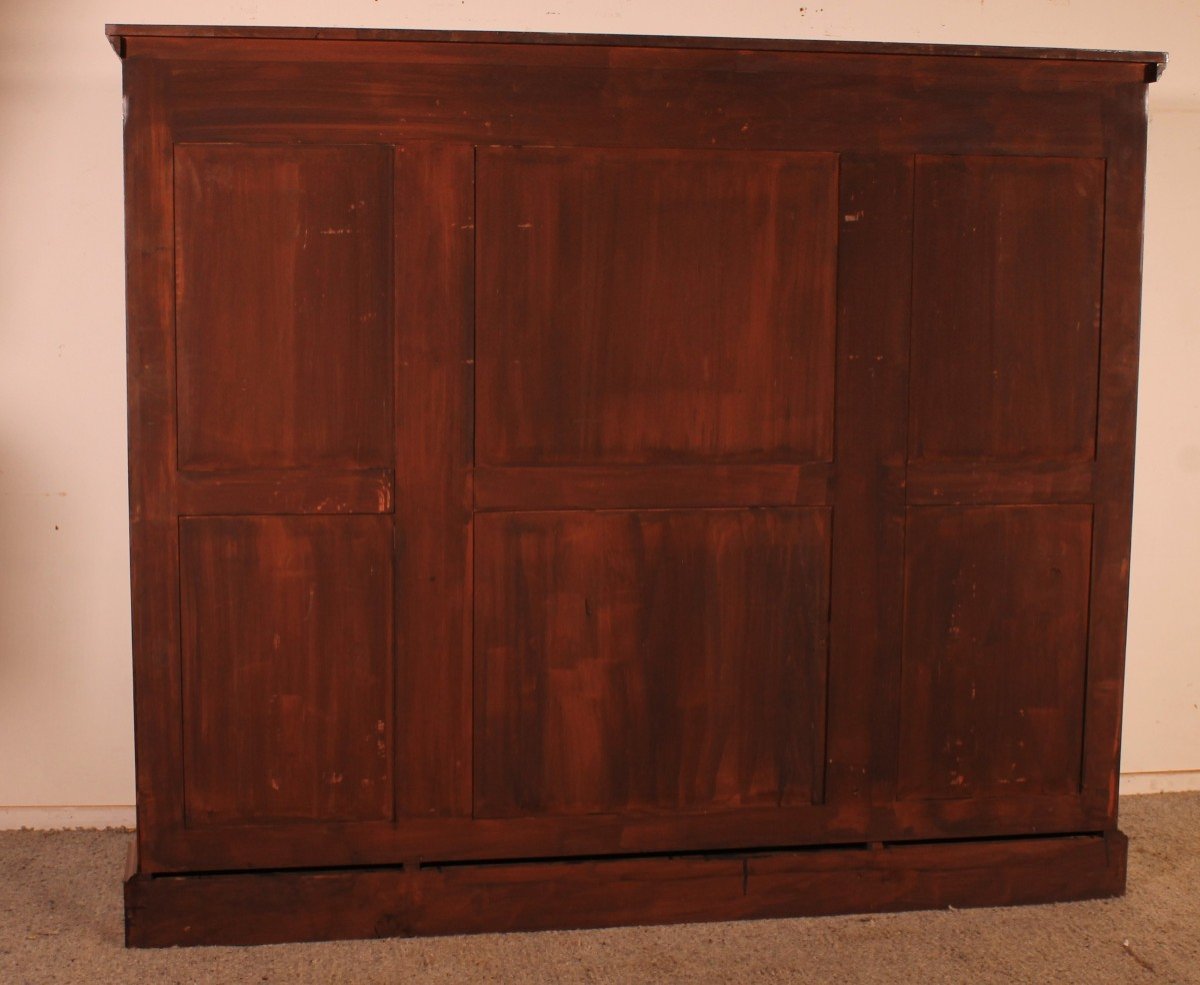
[582,480]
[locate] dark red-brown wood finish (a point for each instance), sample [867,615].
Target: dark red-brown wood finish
[581,480]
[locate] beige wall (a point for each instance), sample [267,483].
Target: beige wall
[65,711]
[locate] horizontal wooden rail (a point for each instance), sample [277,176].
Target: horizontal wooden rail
[284,491]
[989,482]
[653,487]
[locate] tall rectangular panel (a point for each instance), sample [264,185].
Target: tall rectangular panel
[995,649]
[1007,264]
[654,661]
[282,283]
[655,306]
[287,668]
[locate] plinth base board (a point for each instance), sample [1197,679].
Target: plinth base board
[310,905]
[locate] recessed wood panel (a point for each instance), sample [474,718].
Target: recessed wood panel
[995,650]
[654,306]
[287,668]
[283,277]
[1006,307]
[666,660]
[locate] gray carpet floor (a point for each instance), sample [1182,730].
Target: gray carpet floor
[60,921]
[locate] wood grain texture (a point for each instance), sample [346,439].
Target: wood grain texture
[1006,308]
[268,908]
[799,452]
[661,487]
[153,531]
[591,96]
[874,288]
[567,836]
[654,306]
[995,649]
[434,303]
[285,491]
[282,274]
[649,661]
[987,481]
[287,668]
[1124,199]
[117,32]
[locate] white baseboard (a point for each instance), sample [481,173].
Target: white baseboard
[1166,781]
[122,816]
[115,816]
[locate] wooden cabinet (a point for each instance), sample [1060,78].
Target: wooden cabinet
[581,480]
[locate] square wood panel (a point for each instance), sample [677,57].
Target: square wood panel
[649,661]
[654,306]
[287,668]
[283,281]
[1006,308]
[995,650]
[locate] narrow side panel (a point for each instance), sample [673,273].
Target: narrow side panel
[154,545]
[1124,198]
